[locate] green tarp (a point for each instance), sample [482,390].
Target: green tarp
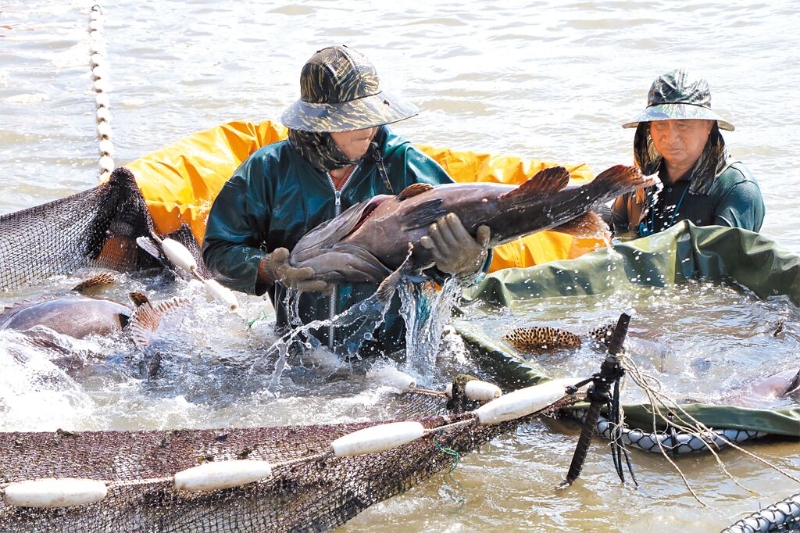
[683,252]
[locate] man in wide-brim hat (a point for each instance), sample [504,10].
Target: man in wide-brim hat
[678,137]
[339,152]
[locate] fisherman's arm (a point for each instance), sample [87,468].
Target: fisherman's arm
[232,238]
[742,207]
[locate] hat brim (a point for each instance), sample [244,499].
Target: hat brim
[368,112]
[678,112]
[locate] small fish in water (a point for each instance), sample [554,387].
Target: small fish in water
[369,240]
[79,316]
[541,338]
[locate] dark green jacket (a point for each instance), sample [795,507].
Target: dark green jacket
[734,200]
[275,197]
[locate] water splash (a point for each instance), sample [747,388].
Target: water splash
[426,312]
[34,392]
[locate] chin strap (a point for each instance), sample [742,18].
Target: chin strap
[376,156]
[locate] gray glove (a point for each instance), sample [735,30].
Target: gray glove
[275,268]
[454,250]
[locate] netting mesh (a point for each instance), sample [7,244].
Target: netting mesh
[308,490]
[94,228]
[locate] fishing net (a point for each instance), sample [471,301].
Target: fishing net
[93,228]
[309,489]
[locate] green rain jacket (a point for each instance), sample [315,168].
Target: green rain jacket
[733,200]
[275,197]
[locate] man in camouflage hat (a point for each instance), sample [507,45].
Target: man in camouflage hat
[339,152]
[678,137]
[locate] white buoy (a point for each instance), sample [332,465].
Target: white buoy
[520,403]
[52,492]
[477,390]
[179,254]
[106,163]
[377,438]
[101,100]
[390,376]
[106,147]
[481,391]
[222,294]
[100,85]
[221,475]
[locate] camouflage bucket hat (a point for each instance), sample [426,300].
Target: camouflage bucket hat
[674,96]
[339,91]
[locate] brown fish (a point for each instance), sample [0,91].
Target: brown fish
[541,338]
[369,240]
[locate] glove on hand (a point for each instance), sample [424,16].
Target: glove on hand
[275,268]
[454,250]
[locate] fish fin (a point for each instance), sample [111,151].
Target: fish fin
[413,190]
[423,216]
[171,304]
[357,259]
[102,279]
[138,298]
[143,323]
[548,180]
[389,285]
[541,338]
[589,225]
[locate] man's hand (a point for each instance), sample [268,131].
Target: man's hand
[454,250]
[275,268]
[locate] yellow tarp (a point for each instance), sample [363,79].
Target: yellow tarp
[179,183]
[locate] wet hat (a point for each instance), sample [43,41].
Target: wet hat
[339,91]
[676,95]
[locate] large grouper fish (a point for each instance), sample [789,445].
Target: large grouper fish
[371,239]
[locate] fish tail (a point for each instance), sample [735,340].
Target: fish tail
[794,385]
[146,318]
[144,322]
[620,179]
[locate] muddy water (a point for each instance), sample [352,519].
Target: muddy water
[550,80]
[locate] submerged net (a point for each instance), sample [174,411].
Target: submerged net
[309,489]
[94,228]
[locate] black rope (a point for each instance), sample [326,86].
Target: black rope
[600,395]
[618,450]
[375,153]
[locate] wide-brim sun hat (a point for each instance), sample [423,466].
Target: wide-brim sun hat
[676,96]
[340,91]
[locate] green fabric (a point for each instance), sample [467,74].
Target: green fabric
[275,197]
[673,256]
